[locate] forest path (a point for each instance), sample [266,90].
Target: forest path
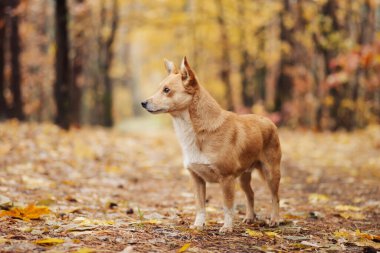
[109,191]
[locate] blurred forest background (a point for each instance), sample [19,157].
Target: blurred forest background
[303,63]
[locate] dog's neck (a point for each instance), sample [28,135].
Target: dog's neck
[205,113]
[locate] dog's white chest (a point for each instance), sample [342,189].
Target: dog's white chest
[186,136]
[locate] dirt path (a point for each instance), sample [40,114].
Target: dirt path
[109,191]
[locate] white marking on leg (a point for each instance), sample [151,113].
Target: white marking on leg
[228,217]
[200,218]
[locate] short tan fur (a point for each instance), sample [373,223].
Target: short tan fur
[218,146]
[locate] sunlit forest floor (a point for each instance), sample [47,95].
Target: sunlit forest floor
[96,190]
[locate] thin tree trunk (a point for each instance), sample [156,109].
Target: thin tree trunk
[3,104]
[62,82]
[79,55]
[245,68]
[15,49]
[284,84]
[226,61]
[106,57]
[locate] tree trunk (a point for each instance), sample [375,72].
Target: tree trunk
[284,84]
[3,104]
[62,66]
[245,68]
[337,116]
[78,61]
[366,38]
[15,49]
[226,61]
[106,57]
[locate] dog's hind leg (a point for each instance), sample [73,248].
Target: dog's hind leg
[245,184]
[272,175]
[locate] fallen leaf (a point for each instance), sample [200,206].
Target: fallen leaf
[49,241]
[347,208]
[295,238]
[184,247]
[253,233]
[5,202]
[351,215]
[84,222]
[113,169]
[271,234]
[298,246]
[84,250]
[291,216]
[315,198]
[46,202]
[342,233]
[152,221]
[310,244]
[31,212]
[368,243]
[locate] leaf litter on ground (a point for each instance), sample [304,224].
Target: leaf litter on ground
[90,185]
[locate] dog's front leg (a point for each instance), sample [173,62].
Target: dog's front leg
[228,188]
[200,195]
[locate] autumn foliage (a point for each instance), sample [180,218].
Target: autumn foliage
[303,63]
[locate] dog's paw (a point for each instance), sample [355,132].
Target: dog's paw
[197,227]
[274,222]
[249,220]
[225,229]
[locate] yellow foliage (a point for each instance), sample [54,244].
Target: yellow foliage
[328,101]
[31,212]
[253,233]
[351,215]
[84,250]
[318,198]
[271,234]
[347,208]
[49,241]
[184,247]
[342,233]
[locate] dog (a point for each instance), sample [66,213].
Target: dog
[218,146]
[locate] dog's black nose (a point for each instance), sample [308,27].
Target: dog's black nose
[144,104]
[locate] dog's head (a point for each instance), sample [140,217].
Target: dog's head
[175,92]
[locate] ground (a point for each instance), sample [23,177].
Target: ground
[97,190]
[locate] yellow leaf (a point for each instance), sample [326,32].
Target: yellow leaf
[271,234]
[113,169]
[363,235]
[347,208]
[152,221]
[184,248]
[351,215]
[299,246]
[318,198]
[2,240]
[82,221]
[253,233]
[84,250]
[49,241]
[31,212]
[342,233]
[290,216]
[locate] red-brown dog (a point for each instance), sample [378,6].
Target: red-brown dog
[218,146]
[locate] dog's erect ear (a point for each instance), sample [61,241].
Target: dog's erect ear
[186,72]
[170,67]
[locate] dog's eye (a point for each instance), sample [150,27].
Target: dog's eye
[166,90]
